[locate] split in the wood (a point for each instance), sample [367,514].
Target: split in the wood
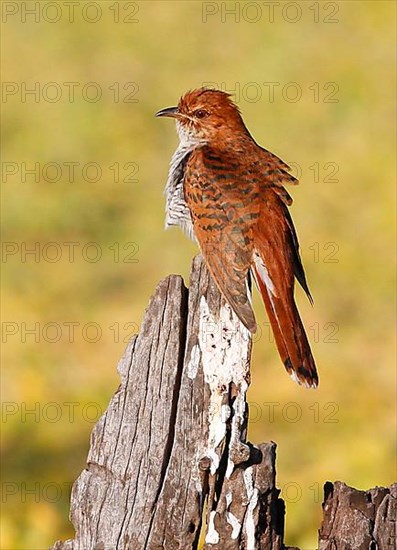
[172,444]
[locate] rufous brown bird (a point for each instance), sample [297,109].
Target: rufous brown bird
[227,192]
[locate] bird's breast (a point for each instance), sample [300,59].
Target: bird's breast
[177,211]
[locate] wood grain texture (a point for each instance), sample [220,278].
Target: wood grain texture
[114,498]
[169,465]
[358,520]
[172,442]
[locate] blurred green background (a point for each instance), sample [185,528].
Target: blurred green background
[332,117]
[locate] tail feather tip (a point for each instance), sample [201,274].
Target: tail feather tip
[302,376]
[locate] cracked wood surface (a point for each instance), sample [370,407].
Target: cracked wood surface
[173,439]
[359,520]
[170,453]
[114,497]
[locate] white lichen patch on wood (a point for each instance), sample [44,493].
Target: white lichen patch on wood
[236,525]
[194,362]
[252,501]
[212,536]
[231,518]
[225,346]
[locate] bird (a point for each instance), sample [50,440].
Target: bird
[227,192]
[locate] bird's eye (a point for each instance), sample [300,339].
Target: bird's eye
[200,113]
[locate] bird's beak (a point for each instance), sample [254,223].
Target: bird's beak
[169,111]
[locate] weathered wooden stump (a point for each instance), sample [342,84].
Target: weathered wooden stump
[172,443]
[359,520]
[169,461]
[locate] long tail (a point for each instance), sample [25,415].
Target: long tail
[288,330]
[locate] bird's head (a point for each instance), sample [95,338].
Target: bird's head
[205,116]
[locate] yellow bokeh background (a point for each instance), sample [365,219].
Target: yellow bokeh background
[332,118]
